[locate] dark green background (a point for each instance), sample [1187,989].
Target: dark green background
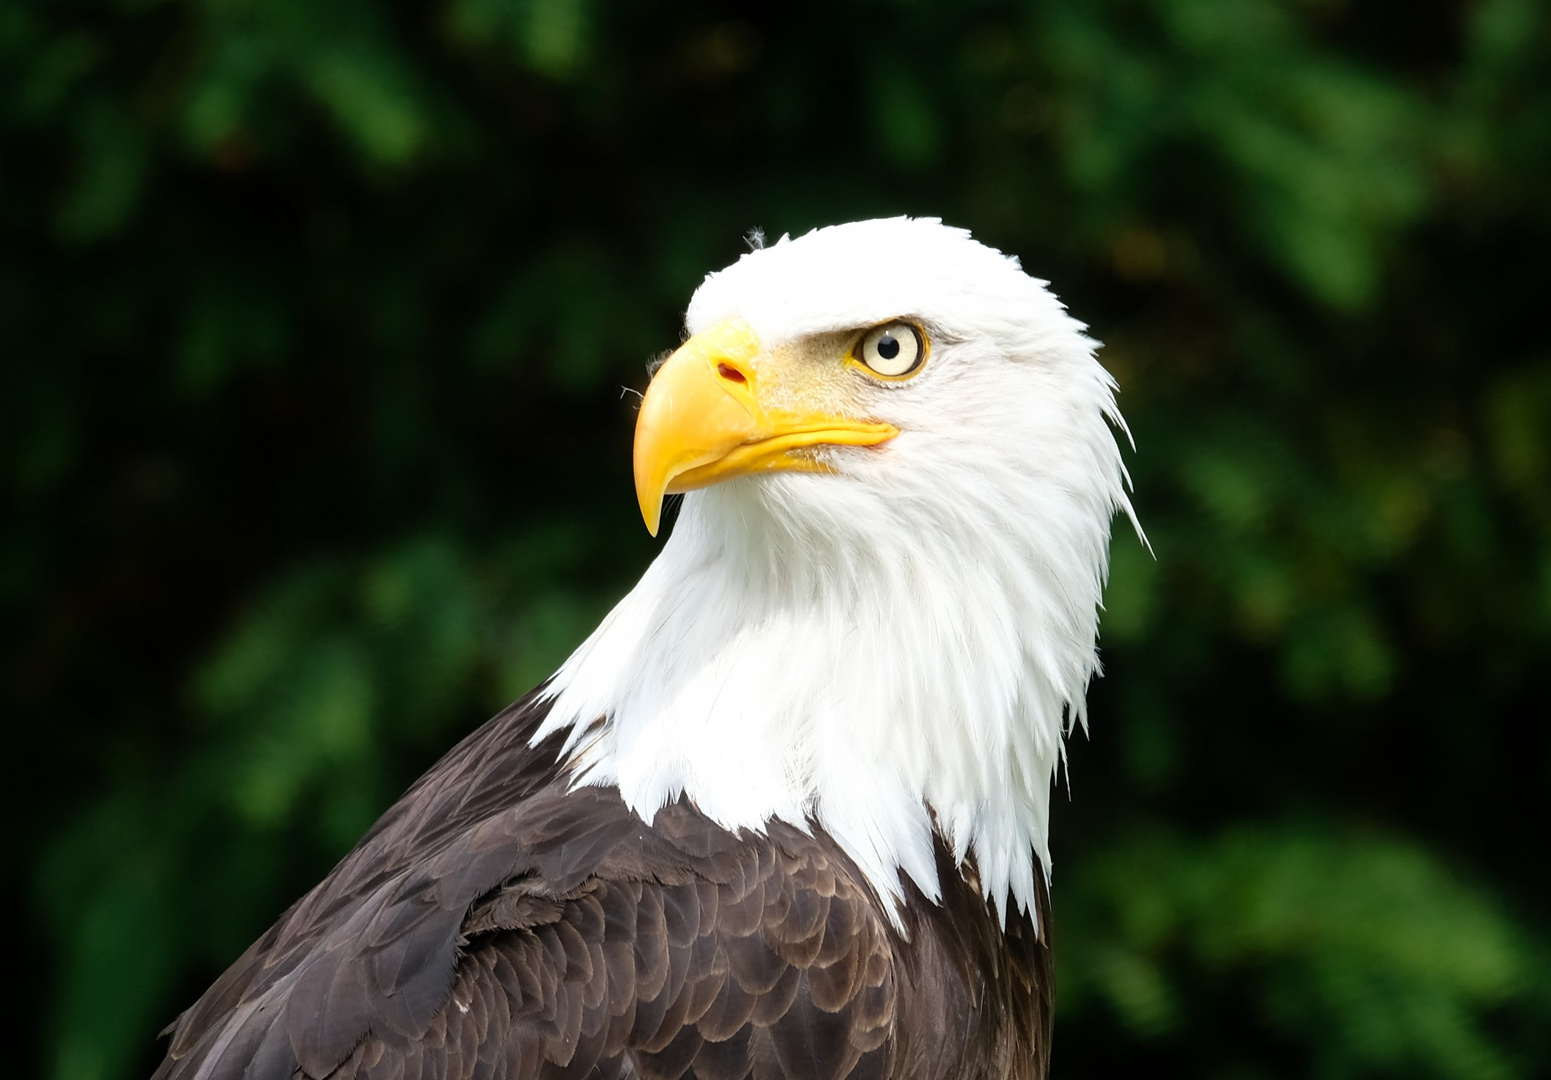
[314,321]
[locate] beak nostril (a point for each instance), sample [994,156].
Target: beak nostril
[730,373]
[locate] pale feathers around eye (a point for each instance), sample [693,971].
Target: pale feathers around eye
[905,641]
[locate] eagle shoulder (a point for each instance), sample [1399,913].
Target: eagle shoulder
[497,923]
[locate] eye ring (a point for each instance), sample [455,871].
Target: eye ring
[892,350]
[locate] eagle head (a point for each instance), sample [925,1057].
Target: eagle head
[877,613]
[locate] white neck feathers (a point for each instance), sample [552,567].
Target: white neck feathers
[769,671]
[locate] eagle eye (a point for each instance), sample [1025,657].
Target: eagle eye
[892,350]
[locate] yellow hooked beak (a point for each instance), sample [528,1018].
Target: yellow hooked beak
[702,422]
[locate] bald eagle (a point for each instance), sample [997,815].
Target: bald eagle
[784,814]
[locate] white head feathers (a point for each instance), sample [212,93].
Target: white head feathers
[901,643]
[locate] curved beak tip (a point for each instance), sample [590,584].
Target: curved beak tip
[650,485]
[651,511]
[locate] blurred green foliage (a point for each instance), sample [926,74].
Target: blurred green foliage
[314,319]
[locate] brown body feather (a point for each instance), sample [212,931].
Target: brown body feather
[497,924]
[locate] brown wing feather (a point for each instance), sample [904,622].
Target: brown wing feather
[495,924]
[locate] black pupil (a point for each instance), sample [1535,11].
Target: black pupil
[888,348]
